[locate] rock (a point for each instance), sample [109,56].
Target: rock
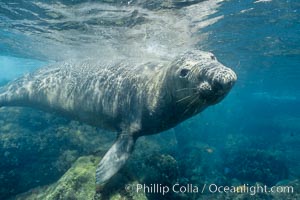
[37,154]
[78,183]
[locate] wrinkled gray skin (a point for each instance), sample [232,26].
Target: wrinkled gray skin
[132,100]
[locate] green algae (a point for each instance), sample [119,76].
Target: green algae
[78,183]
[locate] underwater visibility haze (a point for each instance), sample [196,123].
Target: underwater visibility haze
[250,138]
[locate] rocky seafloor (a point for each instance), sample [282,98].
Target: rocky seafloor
[51,158]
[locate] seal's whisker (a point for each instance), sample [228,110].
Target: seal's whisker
[183,89]
[195,105]
[189,106]
[186,110]
[196,110]
[184,98]
[185,102]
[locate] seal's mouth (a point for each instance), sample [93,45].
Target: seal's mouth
[217,87]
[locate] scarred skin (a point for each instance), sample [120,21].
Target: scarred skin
[133,100]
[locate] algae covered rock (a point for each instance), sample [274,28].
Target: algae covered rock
[256,166]
[162,168]
[78,183]
[37,148]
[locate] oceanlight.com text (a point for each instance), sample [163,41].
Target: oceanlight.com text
[206,188]
[250,189]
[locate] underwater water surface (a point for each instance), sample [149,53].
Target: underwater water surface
[252,137]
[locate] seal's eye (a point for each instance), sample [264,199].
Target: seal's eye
[184,73]
[213,57]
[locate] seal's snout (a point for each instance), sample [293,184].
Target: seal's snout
[223,80]
[218,83]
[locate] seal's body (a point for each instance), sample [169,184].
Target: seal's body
[133,100]
[114,96]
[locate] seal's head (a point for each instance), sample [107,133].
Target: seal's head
[199,80]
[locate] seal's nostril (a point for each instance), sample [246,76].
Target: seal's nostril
[218,86]
[223,85]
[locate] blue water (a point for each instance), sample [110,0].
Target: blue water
[258,120]
[261,42]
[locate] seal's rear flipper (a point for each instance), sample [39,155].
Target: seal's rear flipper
[114,159]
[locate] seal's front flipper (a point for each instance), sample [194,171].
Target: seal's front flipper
[114,159]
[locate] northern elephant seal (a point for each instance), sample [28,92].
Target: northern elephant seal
[132,100]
